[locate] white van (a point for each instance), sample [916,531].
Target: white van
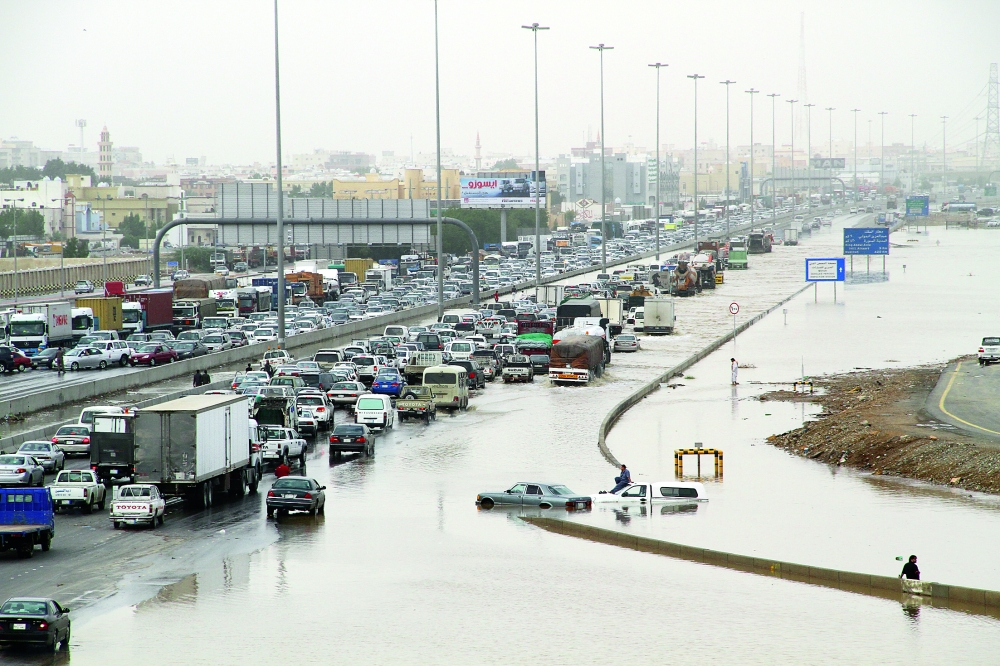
[87,415]
[397,331]
[375,410]
[460,350]
[449,385]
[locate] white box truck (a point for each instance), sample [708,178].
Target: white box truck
[612,310]
[40,326]
[658,316]
[195,446]
[549,294]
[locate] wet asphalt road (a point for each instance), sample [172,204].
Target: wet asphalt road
[404,569]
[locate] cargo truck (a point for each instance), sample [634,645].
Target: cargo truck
[225,302]
[380,274]
[253,299]
[684,281]
[26,519]
[272,284]
[612,310]
[577,359]
[417,362]
[189,313]
[550,294]
[738,254]
[107,311]
[82,322]
[791,236]
[313,283]
[357,267]
[198,287]
[40,326]
[658,316]
[758,243]
[148,311]
[572,308]
[195,446]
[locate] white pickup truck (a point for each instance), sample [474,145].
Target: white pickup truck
[138,503]
[280,444]
[77,488]
[654,493]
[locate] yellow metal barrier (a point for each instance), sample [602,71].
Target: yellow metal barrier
[679,460]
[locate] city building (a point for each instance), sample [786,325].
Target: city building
[106,158]
[49,197]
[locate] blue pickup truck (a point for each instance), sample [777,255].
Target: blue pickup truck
[26,520]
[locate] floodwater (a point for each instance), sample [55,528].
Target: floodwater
[776,505]
[404,569]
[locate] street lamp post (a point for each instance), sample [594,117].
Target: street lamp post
[437,130]
[913,157]
[809,143]
[751,92]
[695,77]
[831,109]
[855,112]
[104,237]
[17,285]
[281,194]
[62,252]
[145,226]
[727,83]
[656,213]
[881,178]
[601,48]
[944,157]
[791,106]
[534,28]
[774,173]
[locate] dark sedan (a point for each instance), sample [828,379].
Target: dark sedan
[33,620]
[540,363]
[44,358]
[476,376]
[187,349]
[542,495]
[296,493]
[153,354]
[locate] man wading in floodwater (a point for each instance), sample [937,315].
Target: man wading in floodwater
[735,369]
[910,569]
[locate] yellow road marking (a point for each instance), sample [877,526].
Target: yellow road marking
[945,395]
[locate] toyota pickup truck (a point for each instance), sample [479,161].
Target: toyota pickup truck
[417,403]
[138,503]
[280,444]
[518,368]
[77,488]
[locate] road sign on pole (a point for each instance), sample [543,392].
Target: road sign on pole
[825,270]
[734,309]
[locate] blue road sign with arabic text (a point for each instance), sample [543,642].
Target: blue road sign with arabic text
[866,240]
[825,270]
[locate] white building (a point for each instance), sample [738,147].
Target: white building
[46,196]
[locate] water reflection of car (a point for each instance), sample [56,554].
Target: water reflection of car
[542,495]
[296,493]
[34,620]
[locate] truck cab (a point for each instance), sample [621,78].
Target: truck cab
[279,444]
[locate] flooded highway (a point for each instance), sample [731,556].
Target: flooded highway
[404,569]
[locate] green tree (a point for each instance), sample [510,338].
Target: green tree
[322,190]
[509,164]
[569,216]
[29,223]
[196,259]
[128,240]
[296,192]
[132,226]
[76,249]
[9,174]
[58,169]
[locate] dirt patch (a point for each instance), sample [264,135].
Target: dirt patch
[874,420]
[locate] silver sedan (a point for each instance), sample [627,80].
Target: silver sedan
[20,470]
[48,455]
[85,357]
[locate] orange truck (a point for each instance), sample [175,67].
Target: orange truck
[313,282]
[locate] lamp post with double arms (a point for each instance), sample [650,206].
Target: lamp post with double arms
[656,213]
[881,178]
[695,77]
[809,171]
[751,92]
[13,203]
[774,152]
[856,191]
[601,48]
[727,83]
[534,28]
[791,106]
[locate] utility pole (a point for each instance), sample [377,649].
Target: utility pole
[751,92]
[437,127]
[913,157]
[809,143]
[534,28]
[881,178]
[695,78]
[774,152]
[944,155]
[831,109]
[601,48]
[855,112]
[791,107]
[727,83]
[281,194]
[658,65]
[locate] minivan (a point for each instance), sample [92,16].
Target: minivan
[396,331]
[449,384]
[374,409]
[430,341]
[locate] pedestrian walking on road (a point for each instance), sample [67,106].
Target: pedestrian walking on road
[735,370]
[205,377]
[910,569]
[196,382]
[249,367]
[622,480]
[282,470]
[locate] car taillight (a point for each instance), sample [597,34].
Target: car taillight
[55,441]
[21,470]
[472,375]
[334,439]
[93,466]
[981,350]
[307,496]
[43,625]
[455,399]
[354,395]
[321,409]
[149,509]
[270,493]
[361,440]
[86,440]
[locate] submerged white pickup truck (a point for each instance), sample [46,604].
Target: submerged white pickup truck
[77,488]
[654,493]
[280,444]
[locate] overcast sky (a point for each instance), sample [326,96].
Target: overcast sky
[186,79]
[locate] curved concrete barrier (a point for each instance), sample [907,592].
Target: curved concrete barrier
[616,412]
[954,597]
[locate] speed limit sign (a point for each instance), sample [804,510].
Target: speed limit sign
[734,308]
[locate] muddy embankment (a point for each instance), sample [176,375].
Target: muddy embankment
[875,420]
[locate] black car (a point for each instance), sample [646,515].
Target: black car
[296,493]
[44,358]
[187,348]
[540,364]
[476,377]
[351,438]
[34,620]
[431,341]
[324,381]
